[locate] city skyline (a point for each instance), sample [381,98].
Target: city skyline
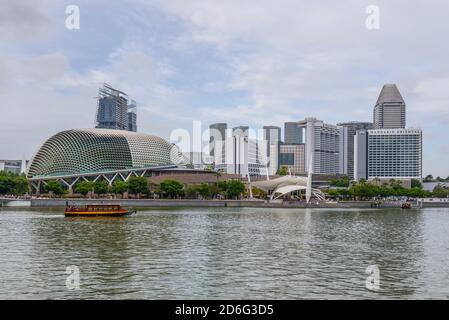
[178,63]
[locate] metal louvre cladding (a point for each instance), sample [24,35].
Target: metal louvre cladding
[81,151]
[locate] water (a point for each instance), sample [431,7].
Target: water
[226,253]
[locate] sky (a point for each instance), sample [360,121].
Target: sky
[255,63]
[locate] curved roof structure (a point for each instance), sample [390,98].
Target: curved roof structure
[81,151]
[287,184]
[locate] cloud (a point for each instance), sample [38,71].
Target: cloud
[20,18]
[245,62]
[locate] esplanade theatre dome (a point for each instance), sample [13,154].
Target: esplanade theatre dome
[81,151]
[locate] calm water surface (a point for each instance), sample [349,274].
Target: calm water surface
[226,253]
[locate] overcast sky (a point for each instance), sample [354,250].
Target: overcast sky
[253,63]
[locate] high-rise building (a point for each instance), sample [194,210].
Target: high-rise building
[113,111]
[292,156]
[14,166]
[352,128]
[272,136]
[241,131]
[293,133]
[389,111]
[217,145]
[361,155]
[326,143]
[132,116]
[389,154]
[243,155]
[217,132]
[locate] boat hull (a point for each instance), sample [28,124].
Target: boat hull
[98,214]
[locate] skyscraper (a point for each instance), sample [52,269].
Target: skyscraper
[389,154]
[353,127]
[132,116]
[389,111]
[327,144]
[241,131]
[217,132]
[293,133]
[272,136]
[113,111]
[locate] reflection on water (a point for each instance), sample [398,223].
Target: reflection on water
[226,253]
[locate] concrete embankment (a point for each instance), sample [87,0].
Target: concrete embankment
[158,203]
[167,203]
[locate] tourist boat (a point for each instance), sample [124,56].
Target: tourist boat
[406,205]
[97,210]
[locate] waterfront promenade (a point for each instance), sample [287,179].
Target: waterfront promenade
[173,203]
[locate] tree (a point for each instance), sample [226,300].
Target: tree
[428,178]
[7,183]
[340,182]
[205,190]
[119,187]
[21,185]
[171,188]
[440,192]
[84,187]
[283,171]
[416,184]
[55,186]
[190,192]
[101,187]
[259,193]
[138,185]
[235,188]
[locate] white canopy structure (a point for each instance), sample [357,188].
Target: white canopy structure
[288,184]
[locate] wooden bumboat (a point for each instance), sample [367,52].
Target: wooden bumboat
[97,210]
[406,205]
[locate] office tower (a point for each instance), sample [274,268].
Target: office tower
[361,155]
[245,156]
[293,133]
[273,158]
[326,142]
[217,132]
[272,136]
[389,111]
[352,128]
[14,166]
[217,146]
[132,116]
[389,153]
[113,110]
[241,131]
[292,156]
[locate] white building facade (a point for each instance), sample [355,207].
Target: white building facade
[389,154]
[328,144]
